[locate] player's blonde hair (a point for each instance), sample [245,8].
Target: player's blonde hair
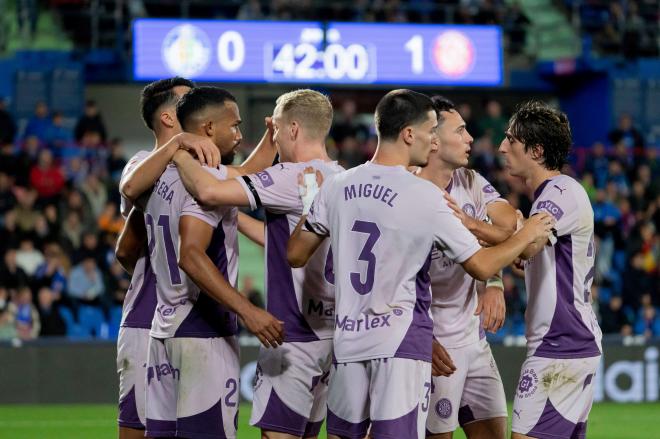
[311,109]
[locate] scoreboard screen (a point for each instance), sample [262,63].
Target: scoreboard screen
[313,52]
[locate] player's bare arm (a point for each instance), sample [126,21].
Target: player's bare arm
[131,241]
[491,304]
[205,188]
[502,215]
[252,228]
[488,261]
[144,176]
[535,247]
[195,238]
[302,245]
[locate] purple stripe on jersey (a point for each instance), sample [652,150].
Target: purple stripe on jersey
[539,189]
[279,417]
[312,429]
[343,428]
[400,428]
[144,305]
[208,318]
[465,415]
[128,415]
[207,424]
[156,428]
[552,425]
[418,341]
[568,336]
[281,298]
[482,332]
[587,380]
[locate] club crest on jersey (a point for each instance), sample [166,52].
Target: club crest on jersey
[551,208]
[265,179]
[443,408]
[528,383]
[469,210]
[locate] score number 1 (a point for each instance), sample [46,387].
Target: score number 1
[415,46]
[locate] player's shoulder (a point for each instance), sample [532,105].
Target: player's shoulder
[562,187]
[220,172]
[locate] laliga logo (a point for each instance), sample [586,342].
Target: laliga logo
[453,54]
[186,50]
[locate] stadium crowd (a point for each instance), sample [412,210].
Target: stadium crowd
[59,220]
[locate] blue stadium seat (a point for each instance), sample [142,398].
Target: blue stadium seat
[115,321]
[73,329]
[91,318]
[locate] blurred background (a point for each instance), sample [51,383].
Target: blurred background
[70,76]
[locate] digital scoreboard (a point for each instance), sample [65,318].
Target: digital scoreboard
[320,53]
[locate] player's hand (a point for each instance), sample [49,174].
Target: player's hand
[268,122]
[201,148]
[491,305]
[442,364]
[520,220]
[467,220]
[264,326]
[539,227]
[309,182]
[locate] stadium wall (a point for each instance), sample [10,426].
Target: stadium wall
[81,372]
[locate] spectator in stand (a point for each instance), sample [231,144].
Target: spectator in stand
[52,273]
[598,164]
[23,161]
[76,202]
[116,160]
[350,154]
[7,125]
[589,186]
[39,125]
[110,221]
[52,323]
[26,214]
[25,314]
[59,136]
[86,282]
[648,320]
[613,318]
[95,193]
[118,283]
[90,122]
[7,197]
[71,232]
[347,125]
[617,176]
[515,26]
[627,132]
[9,233]
[47,178]
[636,281]
[493,124]
[28,257]
[251,10]
[7,324]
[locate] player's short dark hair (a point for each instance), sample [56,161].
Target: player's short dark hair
[157,94]
[536,123]
[198,99]
[399,109]
[441,103]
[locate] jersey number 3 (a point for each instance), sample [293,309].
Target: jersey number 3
[367,256]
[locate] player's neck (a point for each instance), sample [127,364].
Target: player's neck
[391,155]
[438,173]
[306,153]
[539,175]
[163,137]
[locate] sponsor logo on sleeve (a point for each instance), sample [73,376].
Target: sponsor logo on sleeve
[489,189]
[551,208]
[469,210]
[265,179]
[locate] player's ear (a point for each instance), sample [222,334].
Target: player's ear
[407,135]
[168,119]
[209,128]
[537,152]
[294,130]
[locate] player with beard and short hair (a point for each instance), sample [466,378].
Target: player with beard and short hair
[469,390]
[291,386]
[193,368]
[556,388]
[158,109]
[383,230]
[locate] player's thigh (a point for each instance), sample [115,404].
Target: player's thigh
[161,395]
[348,400]
[446,395]
[554,395]
[492,428]
[483,392]
[290,388]
[400,397]
[207,372]
[132,352]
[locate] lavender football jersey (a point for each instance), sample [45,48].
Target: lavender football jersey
[140,301]
[559,318]
[454,290]
[303,298]
[383,227]
[182,309]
